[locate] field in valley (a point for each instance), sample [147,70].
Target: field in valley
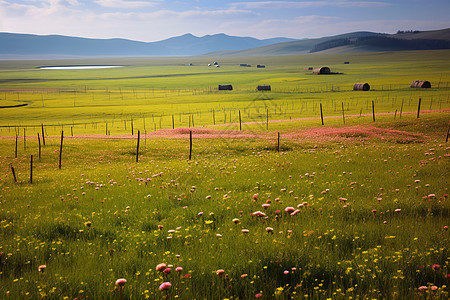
[271,205]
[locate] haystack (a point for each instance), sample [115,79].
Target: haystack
[263,88]
[421,84]
[361,87]
[323,70]
[225,87]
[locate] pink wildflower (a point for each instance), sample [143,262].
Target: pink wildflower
[220,272]
[422,288]
[41,268]
[165,286]
[161,267]
[121,282]
[259,214]
[295,212]
[178,269]
[289,209]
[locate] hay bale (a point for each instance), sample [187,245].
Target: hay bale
[323,70]
[421,84]
[263,88]
[361,87]
[225,87]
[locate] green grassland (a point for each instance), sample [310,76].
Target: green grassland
[370,199]
[151,91]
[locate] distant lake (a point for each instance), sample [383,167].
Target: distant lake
[77,67]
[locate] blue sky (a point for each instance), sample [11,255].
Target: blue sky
[153,20]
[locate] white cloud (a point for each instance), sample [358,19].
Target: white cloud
[79,18]
[315,26]
[309,4]
[125,4]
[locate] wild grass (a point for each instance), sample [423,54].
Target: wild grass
[357,210]
[378,209]
[152,94]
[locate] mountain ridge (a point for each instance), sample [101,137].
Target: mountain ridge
[184,45]
[359,41]
[29,46]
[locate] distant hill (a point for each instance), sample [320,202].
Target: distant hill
[293,47]
[221,45]
[351,43]
[13,44]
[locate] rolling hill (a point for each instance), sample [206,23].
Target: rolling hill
[12,44]
[18,46]
[351,43]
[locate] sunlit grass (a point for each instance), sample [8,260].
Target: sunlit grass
[344,210]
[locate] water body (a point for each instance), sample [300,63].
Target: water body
[77,67]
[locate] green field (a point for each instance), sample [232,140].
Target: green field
[356,208]
[166,93]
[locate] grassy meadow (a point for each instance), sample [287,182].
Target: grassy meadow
[356,208]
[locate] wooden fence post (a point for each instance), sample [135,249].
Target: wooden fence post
[15,151]
[31,169]
[343,116]
[190,145]
[240,122]
[278,144]
[401,108]
[373,111]
[321,113]
[418,108]
[60,148]
[24,139]
[39,143]
[43,137]
[13,172]
[137,146]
